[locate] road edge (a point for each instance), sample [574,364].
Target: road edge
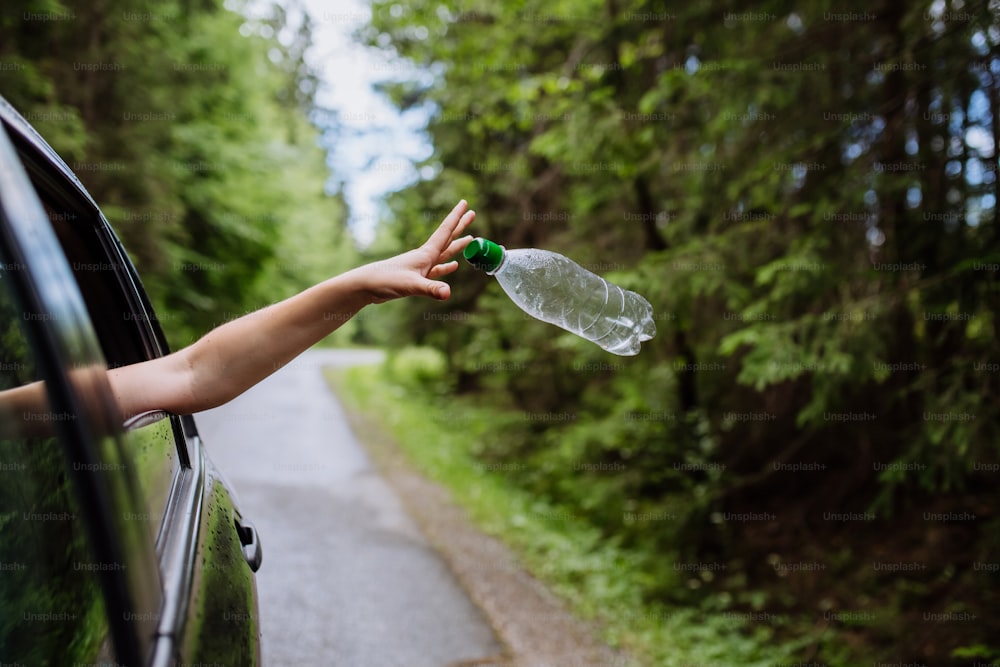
[533,623]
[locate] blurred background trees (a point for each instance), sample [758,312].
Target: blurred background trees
[190,126]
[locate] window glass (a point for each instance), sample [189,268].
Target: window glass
[153,440]
[53,611]
[151,446]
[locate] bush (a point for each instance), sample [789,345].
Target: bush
[420,369]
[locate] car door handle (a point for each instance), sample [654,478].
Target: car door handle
[251,544]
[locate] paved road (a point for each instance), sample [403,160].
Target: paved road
[347,577]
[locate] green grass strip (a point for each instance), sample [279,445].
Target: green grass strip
[599,581]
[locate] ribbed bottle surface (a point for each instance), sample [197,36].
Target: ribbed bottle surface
[557,290]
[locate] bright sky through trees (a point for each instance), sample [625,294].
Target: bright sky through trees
[372,146]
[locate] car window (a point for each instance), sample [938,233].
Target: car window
[121,331]
[154,440]
[53,610]
[150,439]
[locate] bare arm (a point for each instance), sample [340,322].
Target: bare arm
[237,355]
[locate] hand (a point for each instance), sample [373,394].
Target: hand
[415,273]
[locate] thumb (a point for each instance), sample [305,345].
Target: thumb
[437,289]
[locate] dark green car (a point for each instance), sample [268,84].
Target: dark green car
[120,544]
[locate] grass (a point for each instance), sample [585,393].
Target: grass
[601,582]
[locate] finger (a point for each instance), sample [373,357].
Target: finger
[439,270]
[436,289]
[464,222]
[457,246]
[443,234]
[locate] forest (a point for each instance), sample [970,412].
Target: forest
[191,126]
[805,193]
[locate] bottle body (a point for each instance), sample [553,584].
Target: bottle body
[557,290]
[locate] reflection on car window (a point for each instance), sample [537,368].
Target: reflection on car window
[151,440]
[52,609]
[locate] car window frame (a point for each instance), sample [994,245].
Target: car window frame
[74,372]
[176,546]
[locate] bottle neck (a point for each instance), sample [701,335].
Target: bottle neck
[503,262]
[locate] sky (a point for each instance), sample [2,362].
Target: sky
[373,150]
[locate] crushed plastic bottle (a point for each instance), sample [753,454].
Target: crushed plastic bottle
[559,291]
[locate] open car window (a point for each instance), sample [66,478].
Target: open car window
[123,324]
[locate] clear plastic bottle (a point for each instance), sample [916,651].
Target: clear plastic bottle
[559,291]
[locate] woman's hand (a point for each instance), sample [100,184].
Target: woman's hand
[415,273]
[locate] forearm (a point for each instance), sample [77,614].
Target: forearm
[218,367]
[238,354]
[24,411]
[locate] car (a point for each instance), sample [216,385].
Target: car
[121,543]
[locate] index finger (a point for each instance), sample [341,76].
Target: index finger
[442,235]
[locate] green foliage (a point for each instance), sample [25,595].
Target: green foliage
[806,195]
[42,559]
[189,126]
[419,369]
[602,579]
[990,654]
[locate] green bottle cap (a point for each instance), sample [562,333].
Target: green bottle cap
[484,254]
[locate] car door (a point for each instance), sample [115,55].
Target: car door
[180,547]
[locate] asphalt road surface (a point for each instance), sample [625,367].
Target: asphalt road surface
[347,578]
